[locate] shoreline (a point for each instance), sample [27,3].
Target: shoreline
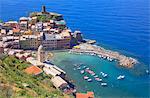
[101,52]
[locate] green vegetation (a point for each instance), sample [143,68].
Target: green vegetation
[43,18]
[1,21]
[15,83]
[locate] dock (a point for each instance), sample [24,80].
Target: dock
[105,54]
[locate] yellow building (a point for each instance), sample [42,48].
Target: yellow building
[29,32]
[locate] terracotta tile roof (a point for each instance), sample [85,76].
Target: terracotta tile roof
[33,70]
[88,95]
[16,30]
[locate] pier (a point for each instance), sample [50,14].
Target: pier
[106,54]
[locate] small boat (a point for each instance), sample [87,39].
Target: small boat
[111,59]
[82,71]
[147,71]
[98,79]
[89,80]
[75,64]
[86,77]
[79,68]
[103,74]
[92,54]
[120,77]
[87,68]
[92,74]
[99,56]
[103,84]
[84,66]
[95,76]
[74,68]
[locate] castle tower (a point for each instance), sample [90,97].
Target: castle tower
[43,9]
[41,54]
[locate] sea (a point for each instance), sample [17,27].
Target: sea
[119,25]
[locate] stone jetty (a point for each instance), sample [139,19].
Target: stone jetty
[106,54]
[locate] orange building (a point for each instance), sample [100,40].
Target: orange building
[33,70]
[87,95]
[16,32]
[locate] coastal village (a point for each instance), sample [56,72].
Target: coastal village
[28,38]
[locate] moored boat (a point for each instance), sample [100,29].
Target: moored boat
[120,77]
[95,76]
[86,77]
[89,80]
[98,79]
[103,84]
[92,74]
[84,66]
[103,74]
[82,71]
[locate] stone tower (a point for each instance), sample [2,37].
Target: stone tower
[41,54]
[43,9]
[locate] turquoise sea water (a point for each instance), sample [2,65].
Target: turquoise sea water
[122,25]
[133,86]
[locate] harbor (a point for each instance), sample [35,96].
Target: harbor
[105,54]
[115,87]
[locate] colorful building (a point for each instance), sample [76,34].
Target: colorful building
[87,95]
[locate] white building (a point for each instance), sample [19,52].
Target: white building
[58,82]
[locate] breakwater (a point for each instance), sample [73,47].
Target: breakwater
[106,54]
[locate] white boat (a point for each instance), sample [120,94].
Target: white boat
[88,68]
[111,59]
[98,79]
[99,56]
[82,71]
[79,68]
[147,71]
[103,84]
[89,80]
[120,77]
[103,74]
[92,54]
[84,66]
[86,77]
[95,76]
